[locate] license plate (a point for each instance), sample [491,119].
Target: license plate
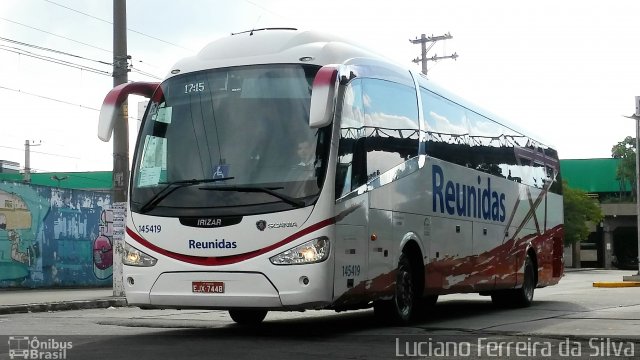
[215,287]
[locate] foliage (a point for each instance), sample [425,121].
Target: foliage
[626,172]
[578,209]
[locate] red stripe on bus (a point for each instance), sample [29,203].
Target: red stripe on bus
[232,259]
[326,76]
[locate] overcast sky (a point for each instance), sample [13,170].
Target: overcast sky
[566,70]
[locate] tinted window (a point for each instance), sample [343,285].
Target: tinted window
[447,132]
[351,169]
[464,137]
[391,124]
[248,125]
[490,148]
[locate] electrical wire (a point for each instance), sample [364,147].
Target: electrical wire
[42,152]
[109,22]
[56,35]
[53,60]
[134,69]
[47,98]
[71,64]
[55,100]
[53,50]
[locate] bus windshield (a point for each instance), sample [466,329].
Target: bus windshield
[230,141]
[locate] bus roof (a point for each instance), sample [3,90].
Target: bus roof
[273,46]
[290,46]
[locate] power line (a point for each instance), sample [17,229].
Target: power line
[109,22]
[64,62]
[72,55]
[53,60]
[56,35]
[41,152]
[56,100]
[48,98]
[145,73]
[79,12]
[53,50]
[264,8]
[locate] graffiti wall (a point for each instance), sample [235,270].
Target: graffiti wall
[52,237]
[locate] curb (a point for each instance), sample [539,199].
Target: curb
[616,284]
[63,306]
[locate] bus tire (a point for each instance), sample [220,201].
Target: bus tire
[401,308]
[248,317]
[521,297]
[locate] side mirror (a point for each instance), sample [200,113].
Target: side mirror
[114,100]
[323,93]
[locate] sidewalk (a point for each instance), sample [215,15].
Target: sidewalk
[38,300]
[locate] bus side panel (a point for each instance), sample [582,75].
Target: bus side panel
[351,251]
[486,237]
[451,254]
[536,224]
[383,253]
[550,247]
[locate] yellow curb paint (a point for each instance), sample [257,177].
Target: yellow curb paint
[616,284]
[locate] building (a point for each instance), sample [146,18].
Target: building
[9,167]
[614,241]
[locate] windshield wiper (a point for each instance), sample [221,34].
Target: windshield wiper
[267,190]
[171,187]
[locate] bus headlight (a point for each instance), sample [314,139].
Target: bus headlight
[134,257]
[313,251]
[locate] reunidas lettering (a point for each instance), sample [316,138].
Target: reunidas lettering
[216,244]
[466,200]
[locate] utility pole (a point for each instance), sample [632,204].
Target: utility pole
[120,128]
[431,39]
[27,159]
[120,181]
[636,117]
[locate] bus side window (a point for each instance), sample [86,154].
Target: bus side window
[447,129]
[391,125]
[490,148]
[348,176]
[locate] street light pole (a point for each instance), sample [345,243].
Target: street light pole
[120,126]
[636,116]
[638,179]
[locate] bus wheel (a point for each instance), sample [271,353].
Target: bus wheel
[248,317]
[401,308]
[522,297]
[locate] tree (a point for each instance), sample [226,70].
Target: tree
[625,150]
[578,210]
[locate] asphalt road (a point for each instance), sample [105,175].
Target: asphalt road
[570,320]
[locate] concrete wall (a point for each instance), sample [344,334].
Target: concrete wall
[52,237]
[621,209]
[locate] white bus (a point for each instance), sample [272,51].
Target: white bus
[286,170]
